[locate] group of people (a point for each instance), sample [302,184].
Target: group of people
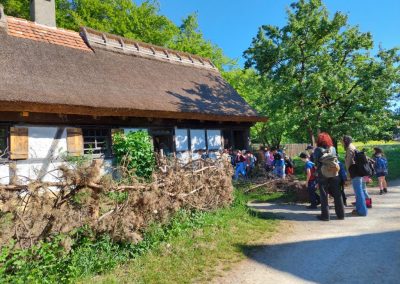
[273,160]
[325,172]
[276,161]
[242,161]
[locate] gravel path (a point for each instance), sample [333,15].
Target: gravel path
[306,250]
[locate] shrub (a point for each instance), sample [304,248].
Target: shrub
[135,151]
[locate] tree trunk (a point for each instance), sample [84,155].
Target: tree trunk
[311,135]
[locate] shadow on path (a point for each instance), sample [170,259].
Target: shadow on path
[368,258]
[293,212]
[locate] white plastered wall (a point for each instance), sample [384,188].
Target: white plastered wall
[44,154]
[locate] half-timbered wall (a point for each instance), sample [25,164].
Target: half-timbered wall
[37,148]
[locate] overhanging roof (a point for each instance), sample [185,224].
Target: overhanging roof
[55,71]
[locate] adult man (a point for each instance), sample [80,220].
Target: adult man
[356,179]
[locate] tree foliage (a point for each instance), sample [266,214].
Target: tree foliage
[135,152]
[323,75]
[258,92]
[141,22]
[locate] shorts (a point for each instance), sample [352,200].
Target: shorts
[380,174]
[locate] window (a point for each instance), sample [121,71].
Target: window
[97,142]
[181,140]
[214,140]
[3,142]
[198,139]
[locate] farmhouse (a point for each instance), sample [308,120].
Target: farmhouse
[66,92]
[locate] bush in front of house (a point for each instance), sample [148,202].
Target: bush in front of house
[134,151]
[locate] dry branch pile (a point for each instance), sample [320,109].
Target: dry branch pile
[264,181]
[34,210]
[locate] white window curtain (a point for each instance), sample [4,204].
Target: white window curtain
[214,139]
[181,140]
[198,139]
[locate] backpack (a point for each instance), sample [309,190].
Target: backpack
[362,164]
[330,165]
[381,165]
[313,173]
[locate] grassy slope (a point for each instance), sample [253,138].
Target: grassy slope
[197,254]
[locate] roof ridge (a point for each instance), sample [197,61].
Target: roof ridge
[89,38]
[95,38]
[41,26]
[25,29]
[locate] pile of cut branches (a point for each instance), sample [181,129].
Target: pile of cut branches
[31,211]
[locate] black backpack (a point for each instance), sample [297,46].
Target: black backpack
[362,164]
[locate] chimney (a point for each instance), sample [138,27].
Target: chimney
[43,12]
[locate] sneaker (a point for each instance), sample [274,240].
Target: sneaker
[355,213]
[311,207]
[319,217]
[368,202]
[385,190]
[380,192]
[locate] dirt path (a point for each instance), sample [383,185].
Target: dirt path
[355,250]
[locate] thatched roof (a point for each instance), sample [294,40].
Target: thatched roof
[44,70]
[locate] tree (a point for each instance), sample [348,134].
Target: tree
[258,92]
[190,39]
[16,8]
[323,75]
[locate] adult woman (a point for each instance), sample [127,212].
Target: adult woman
[327,184]
[356,179]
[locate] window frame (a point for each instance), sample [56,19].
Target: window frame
[108,153]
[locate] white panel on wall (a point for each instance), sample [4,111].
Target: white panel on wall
[214,139]
[41,139]
[198,139]
[4,174]
[181,140]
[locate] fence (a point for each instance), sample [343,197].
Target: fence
[293,150]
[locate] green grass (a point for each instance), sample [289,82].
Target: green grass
[198,253]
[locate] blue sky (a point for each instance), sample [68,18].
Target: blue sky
[231,24]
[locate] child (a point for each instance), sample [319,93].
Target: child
[250,162]
[311,181]
[381,169]
[240,161]
[289,166]
[279,166]
[343,178]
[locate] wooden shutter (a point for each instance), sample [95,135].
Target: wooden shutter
[18,143]
[74,142]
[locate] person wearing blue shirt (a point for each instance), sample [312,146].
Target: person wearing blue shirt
[343,178]
[279,166]
[311,181]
